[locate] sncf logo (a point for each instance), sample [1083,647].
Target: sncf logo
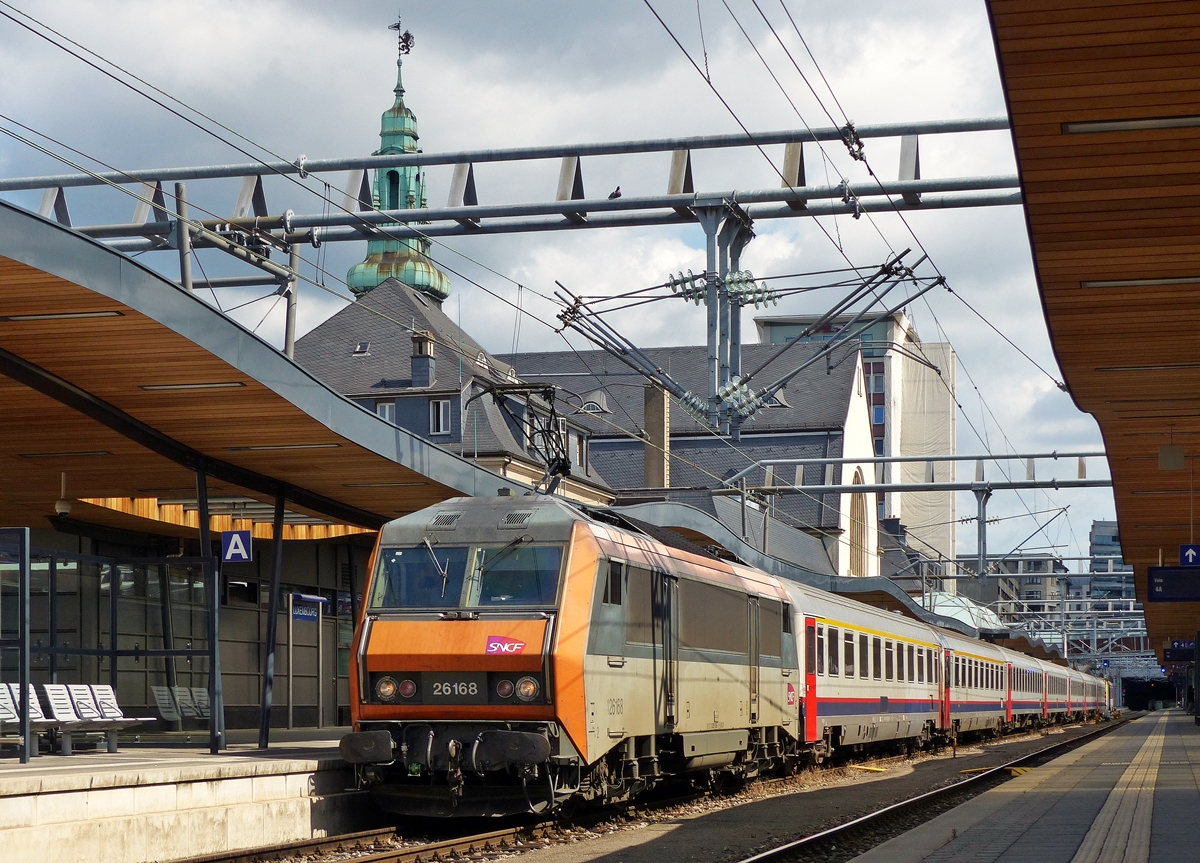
[497,644]
[791,695]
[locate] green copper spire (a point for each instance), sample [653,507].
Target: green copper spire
[406,261]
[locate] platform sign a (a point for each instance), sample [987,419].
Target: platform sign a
[236,546]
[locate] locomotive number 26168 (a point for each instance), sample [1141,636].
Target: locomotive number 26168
[446,688]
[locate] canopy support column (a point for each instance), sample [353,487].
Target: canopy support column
[216,701]
[268,681]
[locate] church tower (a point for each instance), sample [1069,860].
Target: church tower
[401,188]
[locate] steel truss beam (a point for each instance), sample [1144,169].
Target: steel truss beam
[304,166]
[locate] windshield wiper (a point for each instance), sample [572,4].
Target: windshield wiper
[487,564]
[443,571]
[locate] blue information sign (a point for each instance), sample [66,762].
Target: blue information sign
[1189,554]
[236,546]
[1173,584]
[304,606]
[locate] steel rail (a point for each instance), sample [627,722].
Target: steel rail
[304,166]
[919,800]
[324,844]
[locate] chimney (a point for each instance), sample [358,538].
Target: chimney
[657,447]
[424,366]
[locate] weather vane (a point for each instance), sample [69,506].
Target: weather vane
[406,38]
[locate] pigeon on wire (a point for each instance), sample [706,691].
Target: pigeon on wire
[615,193]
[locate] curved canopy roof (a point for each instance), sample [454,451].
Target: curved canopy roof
[1105,106]
[128,383]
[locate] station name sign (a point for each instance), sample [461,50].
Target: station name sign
[1173,584]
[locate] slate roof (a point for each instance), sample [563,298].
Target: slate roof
[816,399]
[386,317]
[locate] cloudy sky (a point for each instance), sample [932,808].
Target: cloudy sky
[307,77]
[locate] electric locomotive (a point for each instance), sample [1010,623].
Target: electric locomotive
[520,653]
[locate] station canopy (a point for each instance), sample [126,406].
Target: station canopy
[1104,100]
[128,384]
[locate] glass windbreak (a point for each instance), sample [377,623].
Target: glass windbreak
[502,576]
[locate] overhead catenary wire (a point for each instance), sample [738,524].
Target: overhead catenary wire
[861,156]
[321,269]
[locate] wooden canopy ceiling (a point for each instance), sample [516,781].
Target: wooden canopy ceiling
[126,383]
[1104,100]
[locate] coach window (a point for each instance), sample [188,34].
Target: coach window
[820,649]
[957,671]
[912,672]
[849,654]
[889,661]
[900,661]
[877,657]
[833,650]
[810,649]
[864,662]
[920,665]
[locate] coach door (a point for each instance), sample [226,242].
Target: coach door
[810,679]
[1008,693]
[666,645]
[947,677]
[1045,694]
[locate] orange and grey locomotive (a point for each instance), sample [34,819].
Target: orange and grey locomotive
[517,654]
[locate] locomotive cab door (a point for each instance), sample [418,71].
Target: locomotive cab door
[810,680]
[1008,711]
[666,646]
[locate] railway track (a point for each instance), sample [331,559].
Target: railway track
[370,846]
[876,823]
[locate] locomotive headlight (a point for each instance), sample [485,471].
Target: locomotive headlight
[505,688]
[408,688]
[386,688]
[527,689]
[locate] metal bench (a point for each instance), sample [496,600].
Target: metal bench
[106,701]
[10,711]
[62,709]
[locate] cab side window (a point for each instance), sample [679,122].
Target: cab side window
[612,585]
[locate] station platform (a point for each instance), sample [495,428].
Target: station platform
[164,799]
[1128,796]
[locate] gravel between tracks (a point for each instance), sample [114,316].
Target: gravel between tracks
[718,829]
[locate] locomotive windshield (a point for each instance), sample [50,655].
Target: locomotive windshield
[437,576]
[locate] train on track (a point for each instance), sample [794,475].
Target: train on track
[524,654]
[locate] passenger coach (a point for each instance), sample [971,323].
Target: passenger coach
[519,653]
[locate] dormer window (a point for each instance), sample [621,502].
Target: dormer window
[591,408]
[482,362]
[362,349]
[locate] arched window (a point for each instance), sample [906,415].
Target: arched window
[858,529]
[393,201]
